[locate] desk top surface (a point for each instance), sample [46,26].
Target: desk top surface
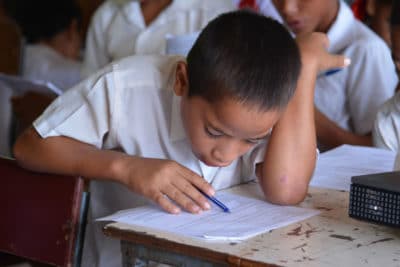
[330,238]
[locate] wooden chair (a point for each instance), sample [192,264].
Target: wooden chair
[41,215]
[21,102]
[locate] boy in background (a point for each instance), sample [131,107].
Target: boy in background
[51,30]
[346,101]
[121,28]
[161,128]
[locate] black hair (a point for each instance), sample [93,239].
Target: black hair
[42,19]
[247,56]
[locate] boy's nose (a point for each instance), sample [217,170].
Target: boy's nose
[226,154]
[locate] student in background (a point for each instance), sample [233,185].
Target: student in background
[160,127]
[265,7]
[386,132]
[346,101]
[51,30]
[123,28]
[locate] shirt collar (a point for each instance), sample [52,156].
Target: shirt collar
[339,33]
[133,13]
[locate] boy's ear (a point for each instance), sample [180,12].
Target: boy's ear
[181,85]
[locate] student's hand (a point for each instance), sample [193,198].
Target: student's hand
[167,183]
[313,49]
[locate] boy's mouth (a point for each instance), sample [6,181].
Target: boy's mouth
[213,163]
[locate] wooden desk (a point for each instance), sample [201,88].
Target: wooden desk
[330,239]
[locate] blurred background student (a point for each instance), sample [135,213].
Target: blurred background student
[51,30]
[121,28]
[346,101]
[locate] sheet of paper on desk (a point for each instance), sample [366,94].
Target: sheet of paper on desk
[248,217]
[336,167]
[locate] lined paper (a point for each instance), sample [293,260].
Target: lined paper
[248,217]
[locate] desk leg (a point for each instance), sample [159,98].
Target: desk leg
[135,255]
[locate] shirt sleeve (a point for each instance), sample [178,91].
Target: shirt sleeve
[83,113]
[372,80]
[387,125]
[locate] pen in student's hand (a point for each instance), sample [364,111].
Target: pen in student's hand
[331,71]
[215,201]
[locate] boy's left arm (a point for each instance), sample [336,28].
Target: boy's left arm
[291,153]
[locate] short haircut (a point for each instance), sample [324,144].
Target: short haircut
[42,19]
[247,56]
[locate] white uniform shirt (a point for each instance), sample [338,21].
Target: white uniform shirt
[42,63]
[266,7]
[386,131]
[130,106]
[118,29]
[352,96]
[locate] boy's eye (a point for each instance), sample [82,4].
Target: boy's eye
[253,141]
[213,133]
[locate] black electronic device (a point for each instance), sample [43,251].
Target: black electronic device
[376,198]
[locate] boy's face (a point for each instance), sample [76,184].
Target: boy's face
[306,16]
[222,131]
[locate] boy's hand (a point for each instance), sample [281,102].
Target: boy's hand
[167,183]
[313,49]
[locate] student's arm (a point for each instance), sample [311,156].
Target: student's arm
[331,135]
[152,178]
[380,21]
[291,153]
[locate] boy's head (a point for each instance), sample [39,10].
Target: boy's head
[239,77]
[306,16]
[42,20]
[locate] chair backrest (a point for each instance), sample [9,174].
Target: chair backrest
[40,214]
[12,86]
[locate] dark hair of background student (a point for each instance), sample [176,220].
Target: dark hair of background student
[246,56]
[42,19]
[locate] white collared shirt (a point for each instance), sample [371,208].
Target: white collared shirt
[130,106]
[386,133]
[352,96]
[119,30]
[42,63]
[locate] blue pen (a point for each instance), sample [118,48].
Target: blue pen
[215,201]
[332,71]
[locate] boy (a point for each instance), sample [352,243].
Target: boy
[121,28]
[185,126]
[346,102]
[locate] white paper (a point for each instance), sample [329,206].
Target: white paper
[248,217]
[336,167]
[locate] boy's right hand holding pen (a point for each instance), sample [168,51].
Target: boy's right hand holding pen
[167,183]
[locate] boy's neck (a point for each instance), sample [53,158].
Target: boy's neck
[61,44]
[330,17]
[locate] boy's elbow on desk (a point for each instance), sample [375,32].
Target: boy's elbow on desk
[288,195]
